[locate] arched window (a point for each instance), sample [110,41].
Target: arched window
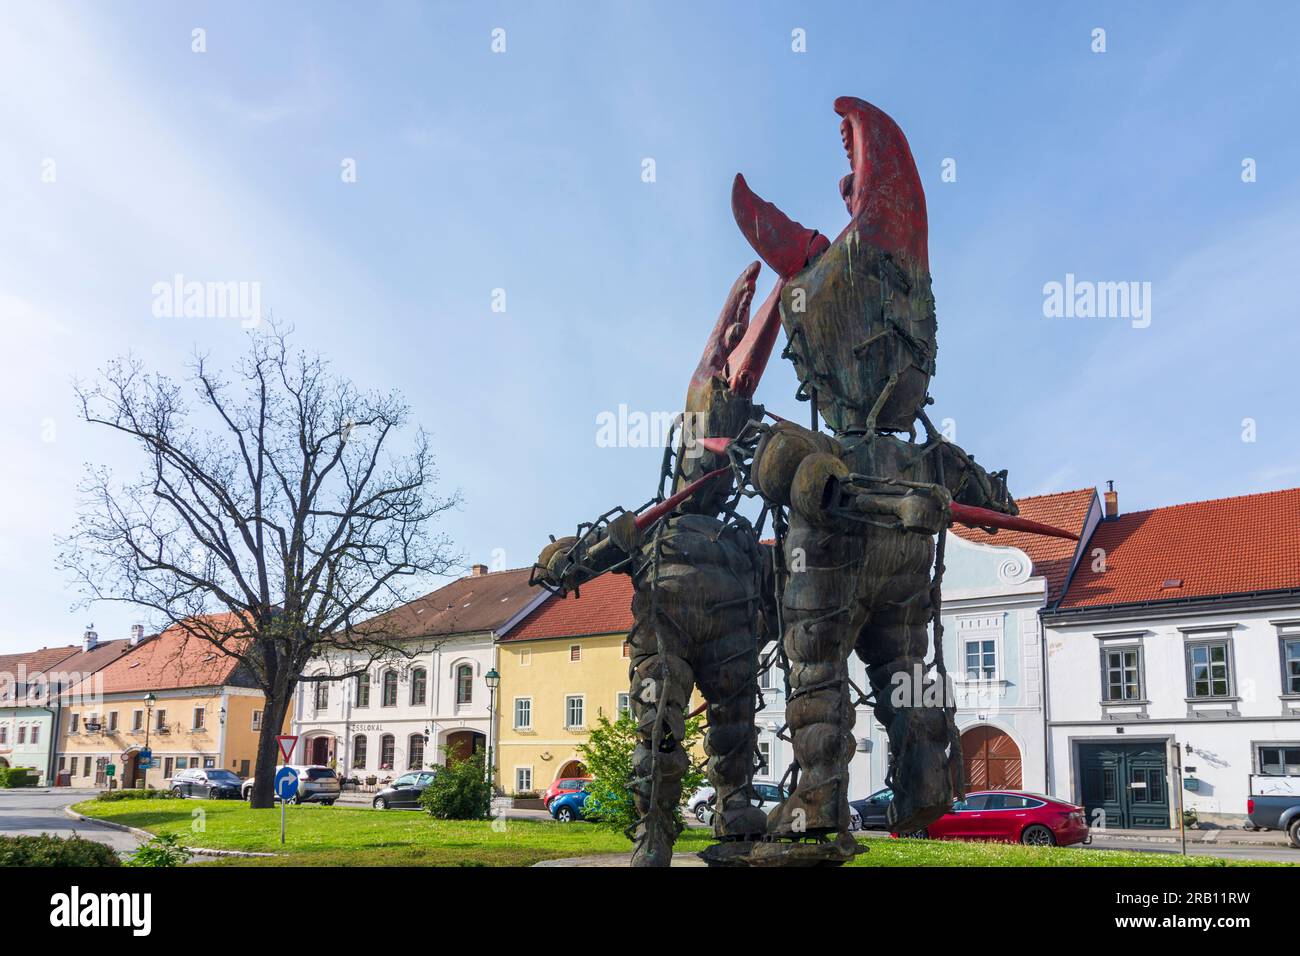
[322,695]
[415,752]
[387,746]
[390,689]
[464,684]
[419,682]
[363,690]
[359,752]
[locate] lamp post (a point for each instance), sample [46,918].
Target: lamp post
[149,701]
[493,680]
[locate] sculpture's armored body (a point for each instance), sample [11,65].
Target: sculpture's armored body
[860,516]
[699,595]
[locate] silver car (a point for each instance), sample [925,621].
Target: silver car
[316,784]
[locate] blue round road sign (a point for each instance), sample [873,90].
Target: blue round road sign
[286,783]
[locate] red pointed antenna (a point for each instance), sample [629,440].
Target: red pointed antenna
[648,517]
[984,518]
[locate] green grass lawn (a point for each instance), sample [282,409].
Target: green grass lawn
[331,836]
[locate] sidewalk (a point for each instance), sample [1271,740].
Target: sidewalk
[1221,835]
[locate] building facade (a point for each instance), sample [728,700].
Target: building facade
[31,699]
[1175,662]
[407,711]
[565,664]
[994,588]
[171,700]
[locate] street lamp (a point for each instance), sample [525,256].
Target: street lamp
[149,701]
[493,681]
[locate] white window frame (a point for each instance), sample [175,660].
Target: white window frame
[525,657]
[582,706]
[257,719]
[515,713]
[622,703]
[521,788]
[200,718]
[572,648]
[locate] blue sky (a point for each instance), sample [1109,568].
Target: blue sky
[522,171]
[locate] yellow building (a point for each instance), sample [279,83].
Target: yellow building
[173,694]
[561,666]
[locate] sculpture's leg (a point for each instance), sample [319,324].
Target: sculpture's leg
[661,682]
[822,619]
[908,703]
[727,671]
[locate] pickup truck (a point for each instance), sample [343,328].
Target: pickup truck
[1274,804]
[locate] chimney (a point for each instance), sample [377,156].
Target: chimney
[1112,501]
[90,638]
[137,634]
[477,570]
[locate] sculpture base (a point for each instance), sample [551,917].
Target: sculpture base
[832,851]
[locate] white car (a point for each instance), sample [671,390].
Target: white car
[695,803]
[315,785]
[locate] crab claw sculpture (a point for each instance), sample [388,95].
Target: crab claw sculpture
[867,500]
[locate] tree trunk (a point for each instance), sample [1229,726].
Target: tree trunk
[278,702]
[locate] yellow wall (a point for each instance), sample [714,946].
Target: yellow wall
[542,671]
[181,741]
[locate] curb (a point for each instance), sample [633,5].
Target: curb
[147,836]
[1203,838]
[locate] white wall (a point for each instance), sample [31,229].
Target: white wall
[1221,735]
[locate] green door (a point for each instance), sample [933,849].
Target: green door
[1125,786]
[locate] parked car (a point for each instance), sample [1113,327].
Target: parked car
[695,803]
[769,795]
[316,784]
[560,786]
[871,810]
[1274,804]
[206,784]
[404,791]
[567,807]
[1011,816]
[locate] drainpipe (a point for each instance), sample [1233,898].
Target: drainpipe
[1047,697]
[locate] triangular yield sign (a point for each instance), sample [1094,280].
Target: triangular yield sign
[286,743]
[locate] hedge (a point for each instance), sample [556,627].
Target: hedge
[46,850]
[18,777]
[111,796]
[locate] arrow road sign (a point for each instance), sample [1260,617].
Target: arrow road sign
[286,743]
[286,783]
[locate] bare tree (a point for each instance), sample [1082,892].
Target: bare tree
[272,520]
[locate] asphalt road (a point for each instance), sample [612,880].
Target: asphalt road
[31,813]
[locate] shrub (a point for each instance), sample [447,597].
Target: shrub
[460,790]
[608,756]
[46,850]
[111,796]
[18,777]
[162,850]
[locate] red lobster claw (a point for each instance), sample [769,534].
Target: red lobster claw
[730,328]
[781,242]
[883,192]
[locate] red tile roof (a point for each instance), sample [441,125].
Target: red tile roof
[1227,546]
[473,604]
[175,659]
[604,607]
[1051,557]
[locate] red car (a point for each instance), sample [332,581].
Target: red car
[562,786]
[1011,816]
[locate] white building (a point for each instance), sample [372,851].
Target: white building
[1177,645]
[993,590]
[405,714]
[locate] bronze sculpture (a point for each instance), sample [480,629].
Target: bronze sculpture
[859,515]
